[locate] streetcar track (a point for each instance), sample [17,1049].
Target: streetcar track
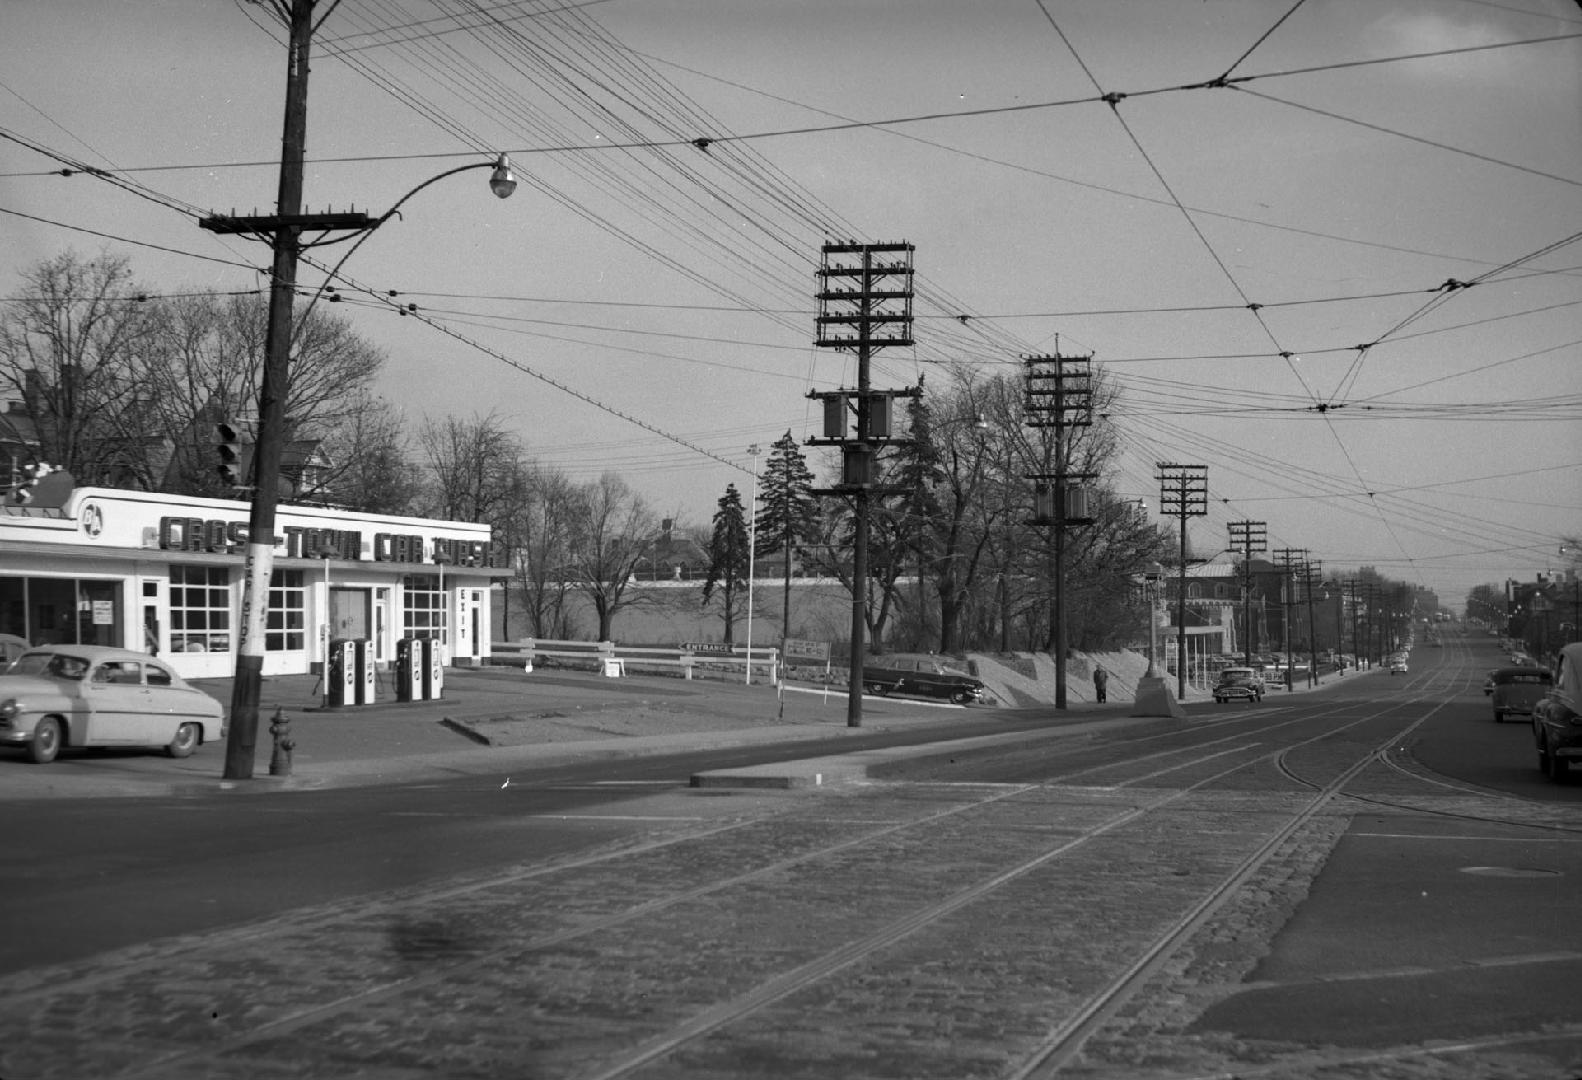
[1051,1053]
[1066,1040]
[796,980]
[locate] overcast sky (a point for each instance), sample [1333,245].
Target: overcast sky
[1270,266]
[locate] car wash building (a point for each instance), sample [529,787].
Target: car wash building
[164,574]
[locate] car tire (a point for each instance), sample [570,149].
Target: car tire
[878,689]
[961,697]
[1499,717]
[46,741]
[187,738]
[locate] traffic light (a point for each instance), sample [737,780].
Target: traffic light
[230,454]
[22,494]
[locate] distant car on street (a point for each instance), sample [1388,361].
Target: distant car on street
[1398,665]
[921,675]
[1557,727]
[1518,689]
[82,695]
[1239,684]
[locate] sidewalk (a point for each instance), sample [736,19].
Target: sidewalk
[489,721]
[493,721]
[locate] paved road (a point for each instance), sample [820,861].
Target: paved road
[1280,891]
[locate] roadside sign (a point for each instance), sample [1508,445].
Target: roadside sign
[800,649]
[708,647]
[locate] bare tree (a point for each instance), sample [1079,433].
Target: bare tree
[67,345]
[372,469]
[475,467]
[612,531]
[538,535]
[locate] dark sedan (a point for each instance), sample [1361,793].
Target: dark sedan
[1557,725]
[924,676]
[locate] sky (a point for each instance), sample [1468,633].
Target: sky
[1329,249]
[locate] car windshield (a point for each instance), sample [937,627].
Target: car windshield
[1525,677]
[50,665]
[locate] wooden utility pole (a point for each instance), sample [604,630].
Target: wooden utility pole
[1183,493]
[284,229]
[1247,537]
[1059,394]
[1289,559]
[865,304]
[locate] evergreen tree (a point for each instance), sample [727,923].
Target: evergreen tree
[788,511]
[728,556]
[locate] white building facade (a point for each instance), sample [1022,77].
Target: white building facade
[163,574]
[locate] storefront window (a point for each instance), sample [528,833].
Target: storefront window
[56,611]
[288,616]
[423,608]
[200,609]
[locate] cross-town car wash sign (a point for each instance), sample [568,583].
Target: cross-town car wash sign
[217,535]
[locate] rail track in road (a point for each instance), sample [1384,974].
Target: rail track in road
[928,928]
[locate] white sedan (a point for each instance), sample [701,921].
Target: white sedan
[83,695]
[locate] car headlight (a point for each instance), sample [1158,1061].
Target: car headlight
[10,709]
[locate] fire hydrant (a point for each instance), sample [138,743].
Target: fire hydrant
[280,731]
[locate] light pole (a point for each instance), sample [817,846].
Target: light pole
[752,552]
[285,228]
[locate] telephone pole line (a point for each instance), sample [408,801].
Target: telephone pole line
[1247,537]
[274,387]
[1288,559]
[865,304]
[1059,394]
[1183,493]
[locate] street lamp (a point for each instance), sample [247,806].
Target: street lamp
[285,229]
[752,551]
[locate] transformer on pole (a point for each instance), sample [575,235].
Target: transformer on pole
[864,304]
[1059,394]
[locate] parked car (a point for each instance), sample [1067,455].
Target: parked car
[1518,689]
[923,675]
[82,695]
[1239,684]
[1557,725]
[1398,665]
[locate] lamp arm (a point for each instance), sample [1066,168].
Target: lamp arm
[334,271]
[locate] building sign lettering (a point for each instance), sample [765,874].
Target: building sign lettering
[230,537]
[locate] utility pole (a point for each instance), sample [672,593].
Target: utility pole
[1353,589]
[1247,537]
[866,291]
[1288,559]
[1311,573]
[1183,493]
[1059,395]
[284,229]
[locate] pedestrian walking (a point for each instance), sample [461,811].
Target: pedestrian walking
[1101,683]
